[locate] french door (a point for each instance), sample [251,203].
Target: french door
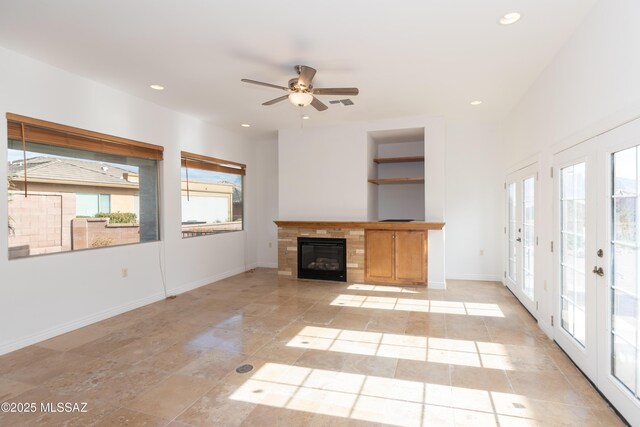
[598,261]
[521,235]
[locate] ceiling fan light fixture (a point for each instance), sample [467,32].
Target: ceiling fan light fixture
[300,99]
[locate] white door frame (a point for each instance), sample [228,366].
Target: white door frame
[518,177]
[595,359]
[584,356]
[621,138]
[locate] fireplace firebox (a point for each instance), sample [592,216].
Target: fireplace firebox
[322,259]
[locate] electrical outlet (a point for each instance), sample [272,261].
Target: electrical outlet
[125,272]
[481,252]
[270,245]
[545,285]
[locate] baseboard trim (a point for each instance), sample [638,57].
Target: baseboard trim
[77,324]
[437,285]
[478,277]
[210,279]
[111,312]
[546,328]
[267,264]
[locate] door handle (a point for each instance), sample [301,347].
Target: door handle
[598,270]
[518,239]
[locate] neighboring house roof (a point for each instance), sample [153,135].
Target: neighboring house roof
[77,171]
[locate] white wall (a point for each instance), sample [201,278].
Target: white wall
[323,173]
[267,177]
[474,202]
[43,296]
[591,86]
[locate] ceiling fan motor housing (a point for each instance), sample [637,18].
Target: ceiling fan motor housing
[295,86]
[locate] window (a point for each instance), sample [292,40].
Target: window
[89,205]
[573,249]
[512,231]
[72,189]
[212,195]
[528,236]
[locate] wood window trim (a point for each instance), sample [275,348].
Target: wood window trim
[49,133]
[198,161]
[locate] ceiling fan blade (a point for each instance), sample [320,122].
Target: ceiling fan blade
[255,82]
[318,105]
[306,76]
[336,91]
[275,101]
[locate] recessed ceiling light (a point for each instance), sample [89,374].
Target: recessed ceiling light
[509,18]
[305,117]
[478,102]
[245,125]
[156,87]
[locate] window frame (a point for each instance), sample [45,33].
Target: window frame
[44,133]
[189,160]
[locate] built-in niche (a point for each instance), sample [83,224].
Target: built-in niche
[396,174]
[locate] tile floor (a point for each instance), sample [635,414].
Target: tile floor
[324,354]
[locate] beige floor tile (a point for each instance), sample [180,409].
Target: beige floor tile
[468,355]
[239,341]
[320,314]
[75,338]
[175,357]
[277,417]
[370,365]
[218,408]
[170,397]
[480,378]
[322,360]
[552,388]
[277,351]
[213,365]
[47,368]
[115,416]
[426,372]
[350,320]
[108,343]
[23,358]
[10,388]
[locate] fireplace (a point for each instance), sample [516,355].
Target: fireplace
[323,259]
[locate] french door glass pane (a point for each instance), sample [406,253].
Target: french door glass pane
[512,231]
[528,243]
[625,288]
[572,257]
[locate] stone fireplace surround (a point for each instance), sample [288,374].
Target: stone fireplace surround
[288,248]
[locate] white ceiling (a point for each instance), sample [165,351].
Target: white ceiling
[408,57]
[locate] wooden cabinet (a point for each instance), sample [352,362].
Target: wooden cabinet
[396,256]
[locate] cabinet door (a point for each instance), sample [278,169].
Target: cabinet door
[411,256]
[379,254]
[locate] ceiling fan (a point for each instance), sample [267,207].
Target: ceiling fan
[301,91]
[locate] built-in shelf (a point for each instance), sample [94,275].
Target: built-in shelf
[399,159]
[378,181]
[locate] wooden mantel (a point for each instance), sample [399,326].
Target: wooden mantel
[366,225]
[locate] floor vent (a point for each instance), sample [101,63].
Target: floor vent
[244,369]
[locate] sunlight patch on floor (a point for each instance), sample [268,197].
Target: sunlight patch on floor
[418,305]
[408,347]
[381,288]
[376,399]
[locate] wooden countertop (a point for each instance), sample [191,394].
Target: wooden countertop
[368,225]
